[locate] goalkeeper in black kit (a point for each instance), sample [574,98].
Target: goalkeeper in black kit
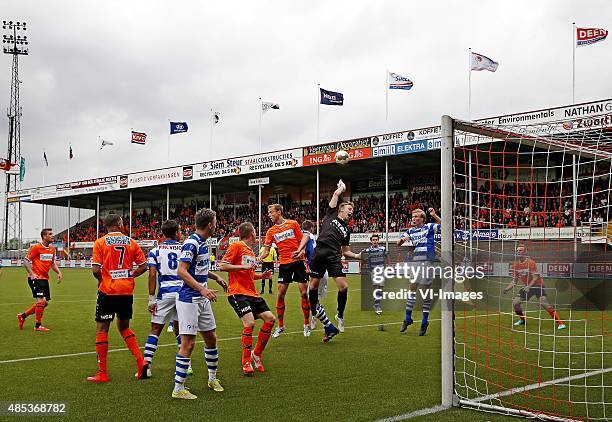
[332,244]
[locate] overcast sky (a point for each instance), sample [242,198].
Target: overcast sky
[101,69]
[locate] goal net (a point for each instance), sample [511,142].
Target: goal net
[531,209]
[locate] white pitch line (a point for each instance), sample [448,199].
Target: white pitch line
[542,384]
[199,341]
[67,355]
[415,414]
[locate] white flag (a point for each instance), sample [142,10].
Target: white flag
[480,62]
[266,105]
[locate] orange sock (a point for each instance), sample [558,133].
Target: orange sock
[102,350]
[130,341]
[280,312]
[554,314]
[40,309]
[262,337]
[31,310]
[306,309]
[247,343]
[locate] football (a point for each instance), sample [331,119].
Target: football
[342,157]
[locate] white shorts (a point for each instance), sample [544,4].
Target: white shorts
[380,280]
[195,316]
[420,270]
[166,309]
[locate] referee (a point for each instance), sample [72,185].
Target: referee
[268,264]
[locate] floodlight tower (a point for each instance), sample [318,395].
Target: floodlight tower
[15,45]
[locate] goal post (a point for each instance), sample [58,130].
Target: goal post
[446,209]
[529,205]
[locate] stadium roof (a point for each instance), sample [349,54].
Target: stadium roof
[230,173]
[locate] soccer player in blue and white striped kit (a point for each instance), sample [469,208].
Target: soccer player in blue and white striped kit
[163,273]
[421,235]
[194,304]
[376,257]
[309,239]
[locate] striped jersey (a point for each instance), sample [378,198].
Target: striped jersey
[196,253]
[310,246]
[376,256]
[422,239]
[165,258]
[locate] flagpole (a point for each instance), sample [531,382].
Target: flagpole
[260,115]
[573,63]
[470,83]
[210,149]
[69,159]
[318,109]
[168,152]
[44,207]
[387,97]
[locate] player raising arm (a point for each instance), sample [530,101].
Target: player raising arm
[332,244]
[114,256]
[421,235]
[240,262]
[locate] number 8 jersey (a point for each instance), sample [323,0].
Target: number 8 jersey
[117,253]
[165,257]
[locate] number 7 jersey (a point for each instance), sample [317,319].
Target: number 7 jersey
[117,253]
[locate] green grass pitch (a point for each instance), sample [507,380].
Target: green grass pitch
[364,374]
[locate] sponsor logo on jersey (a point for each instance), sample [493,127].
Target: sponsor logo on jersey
[117,240]
[174,247]
[284,235]
[118,274]
[340,227]
[46,257]
[248,259]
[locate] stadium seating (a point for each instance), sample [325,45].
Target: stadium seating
[508,204]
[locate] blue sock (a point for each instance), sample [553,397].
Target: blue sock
[180,374]
[425,318]
[408,314]
[150,348]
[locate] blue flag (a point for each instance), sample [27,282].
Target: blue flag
[178,127]
[331,97]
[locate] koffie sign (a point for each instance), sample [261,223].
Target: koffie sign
[358,149]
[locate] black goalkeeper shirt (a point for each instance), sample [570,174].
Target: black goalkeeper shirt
[334,231]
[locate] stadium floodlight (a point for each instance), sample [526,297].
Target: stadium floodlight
[13,43]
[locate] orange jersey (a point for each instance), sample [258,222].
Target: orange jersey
[287,237]
[117,253]
[241,282]
[525,270]
[41,257]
